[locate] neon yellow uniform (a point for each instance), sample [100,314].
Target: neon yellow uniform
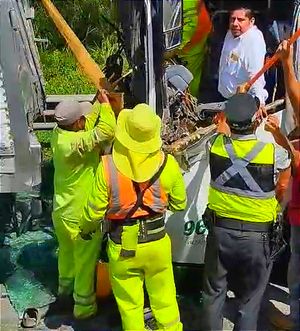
[196,27]
[243,179]
[76,157]
[152,262]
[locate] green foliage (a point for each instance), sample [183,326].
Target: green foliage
[63,76]
[85,17]
[44,137]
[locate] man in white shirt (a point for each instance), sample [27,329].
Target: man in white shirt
[242,56]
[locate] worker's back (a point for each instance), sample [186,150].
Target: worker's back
[235,199]
[73,173]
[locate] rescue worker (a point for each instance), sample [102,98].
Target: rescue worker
[133,189]
[196,28]
[82,133]
[242,207]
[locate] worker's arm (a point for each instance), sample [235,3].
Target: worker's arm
[107,122]
[282,183]
[88,141]
[282,172]
[177,194]
[291,84]
[282,160]
[96,205]
[296,159]
[93,117]
[272,125]
[101,136]
[101,104]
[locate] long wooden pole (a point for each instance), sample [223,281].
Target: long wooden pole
[88,65]
[271,61]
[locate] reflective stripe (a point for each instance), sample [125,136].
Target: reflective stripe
[157,203]
[151,220]
[123,194]
[245,193]
[114,186]
[239,167]
[85,300]
[172,323]
[65,285]
[155,230]
[240,164]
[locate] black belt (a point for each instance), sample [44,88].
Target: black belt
[150,228]
[234,224]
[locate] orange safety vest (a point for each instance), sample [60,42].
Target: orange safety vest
[123,196]
[203,28]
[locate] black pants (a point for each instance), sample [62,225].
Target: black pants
[243,258]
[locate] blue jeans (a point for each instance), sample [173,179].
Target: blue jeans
[294,276]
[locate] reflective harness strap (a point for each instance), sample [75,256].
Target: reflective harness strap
[115,191]
[156,196]
[65,285]
[140,193]
[85,300]
[114,186]
[120,232]
[239,167]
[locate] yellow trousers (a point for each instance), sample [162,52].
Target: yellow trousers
[77,259]
[152,265]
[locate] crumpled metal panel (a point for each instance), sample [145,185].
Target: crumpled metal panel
[22,86]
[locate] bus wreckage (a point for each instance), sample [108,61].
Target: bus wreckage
[157,46]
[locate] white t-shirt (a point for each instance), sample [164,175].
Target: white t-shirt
[241,58]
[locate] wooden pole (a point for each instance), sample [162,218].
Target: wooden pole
[88,65]
[271,61]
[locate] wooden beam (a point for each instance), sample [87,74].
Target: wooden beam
[86,62]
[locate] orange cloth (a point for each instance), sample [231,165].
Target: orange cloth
[203,28]
[220,121]
[123,195]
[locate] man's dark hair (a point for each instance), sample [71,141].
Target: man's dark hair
[243,130]
[248,12]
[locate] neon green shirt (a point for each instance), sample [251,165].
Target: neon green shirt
[75,158]
[97,203]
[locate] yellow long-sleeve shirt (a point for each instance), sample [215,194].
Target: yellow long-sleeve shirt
[97,203]
[75,158]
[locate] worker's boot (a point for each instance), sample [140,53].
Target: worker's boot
[62,305]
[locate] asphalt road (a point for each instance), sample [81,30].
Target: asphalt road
[273,315]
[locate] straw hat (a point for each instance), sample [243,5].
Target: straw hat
[136,150]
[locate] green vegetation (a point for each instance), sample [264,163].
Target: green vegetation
[87,18]
[44,137]
[93,23]
[62,74]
